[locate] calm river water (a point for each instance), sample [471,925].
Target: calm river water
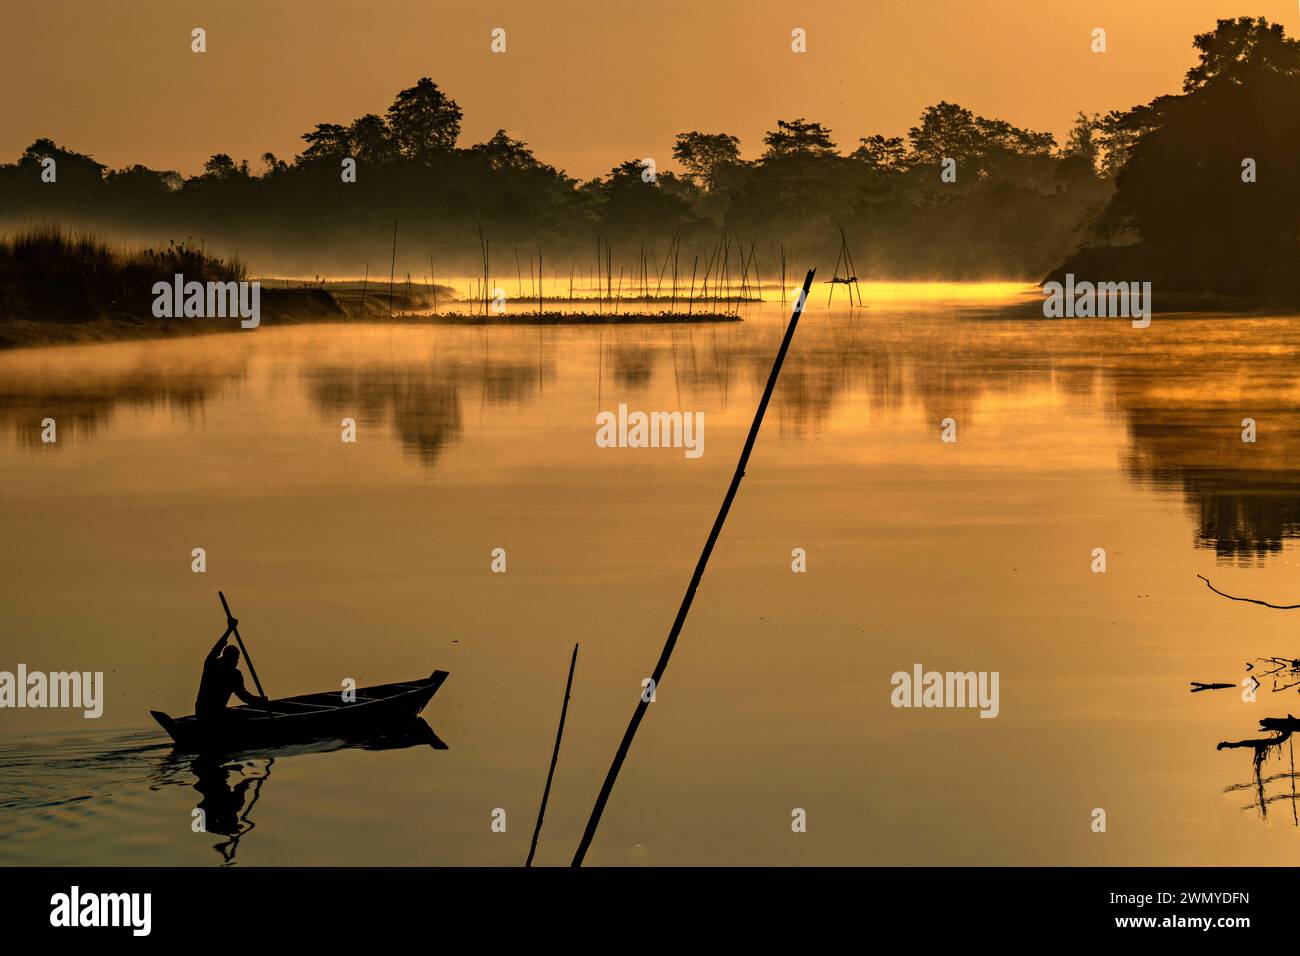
[371,560]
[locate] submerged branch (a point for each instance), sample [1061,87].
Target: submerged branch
[1276,607]
[1259,745]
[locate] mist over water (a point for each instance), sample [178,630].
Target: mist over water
[371,561]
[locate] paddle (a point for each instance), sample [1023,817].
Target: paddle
[230,626]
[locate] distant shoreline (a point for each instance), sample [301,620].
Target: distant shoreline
[301,307]
[1165,305]
[282,307]
[58,287]
[574,318]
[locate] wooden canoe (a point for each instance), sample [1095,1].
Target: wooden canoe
[309,717]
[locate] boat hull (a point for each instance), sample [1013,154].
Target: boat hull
[308,717]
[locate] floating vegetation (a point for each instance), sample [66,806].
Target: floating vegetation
[568,318]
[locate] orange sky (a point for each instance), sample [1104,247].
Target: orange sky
[587,83]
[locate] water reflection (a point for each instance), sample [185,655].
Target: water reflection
[73,781]
[423,406]
[221,808]
[230,786]
[422,402]
[82,387]
[1181,389]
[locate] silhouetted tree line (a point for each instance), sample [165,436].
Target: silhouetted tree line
[1207,183]
[1156,187]
[1010,211]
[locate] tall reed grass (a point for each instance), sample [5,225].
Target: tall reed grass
[52,275]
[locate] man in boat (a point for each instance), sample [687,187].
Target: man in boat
[221,678]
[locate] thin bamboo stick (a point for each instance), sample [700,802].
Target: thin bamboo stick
[555,756]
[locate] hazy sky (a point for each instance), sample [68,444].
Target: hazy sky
[587,84]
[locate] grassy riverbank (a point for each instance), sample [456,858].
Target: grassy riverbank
[62,287]
[58,287]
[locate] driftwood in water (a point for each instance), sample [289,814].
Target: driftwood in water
[1280,724]
[1283,727]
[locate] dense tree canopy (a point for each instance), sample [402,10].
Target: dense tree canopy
[423,122]
[705,155]
[1240,51]
[1163,176]
[1207,184]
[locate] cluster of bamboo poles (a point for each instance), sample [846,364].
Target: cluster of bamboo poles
[731,277]
[430,283]
[718,287]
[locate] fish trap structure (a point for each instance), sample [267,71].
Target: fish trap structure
[850,277]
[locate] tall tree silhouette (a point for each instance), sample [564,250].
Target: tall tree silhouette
[704,155]
[425,122]
[371,140]
[328,141]
[503,152]
[1208,195]
[1241,50]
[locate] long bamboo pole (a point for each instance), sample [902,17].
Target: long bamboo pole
[657,676]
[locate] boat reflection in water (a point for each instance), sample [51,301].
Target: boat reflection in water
[230,785]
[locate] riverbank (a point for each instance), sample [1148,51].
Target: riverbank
[1187,283]
[572,318]
[279,307]
[284,307]
[61,288]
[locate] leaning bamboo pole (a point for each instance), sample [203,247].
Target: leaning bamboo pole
[656,678]
[555,756]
